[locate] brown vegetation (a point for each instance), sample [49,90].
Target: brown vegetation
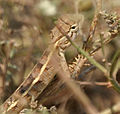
[24,35]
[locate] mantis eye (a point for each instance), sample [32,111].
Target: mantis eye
[73,27]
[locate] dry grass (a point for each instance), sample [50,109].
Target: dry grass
[24,35]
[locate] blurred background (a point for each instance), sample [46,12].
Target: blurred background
[24,35]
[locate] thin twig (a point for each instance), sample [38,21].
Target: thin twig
[93,25]
[93,83]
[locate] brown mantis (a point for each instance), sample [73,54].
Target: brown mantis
[45,70]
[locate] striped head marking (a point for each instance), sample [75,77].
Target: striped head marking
[69,26]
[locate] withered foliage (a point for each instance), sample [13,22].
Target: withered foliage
[24,35]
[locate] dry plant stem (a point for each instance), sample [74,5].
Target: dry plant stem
[105,42]
[113,67]
[5,72]
[93,83]
[93,25]
[112,110]
[27,59]
[3,76]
